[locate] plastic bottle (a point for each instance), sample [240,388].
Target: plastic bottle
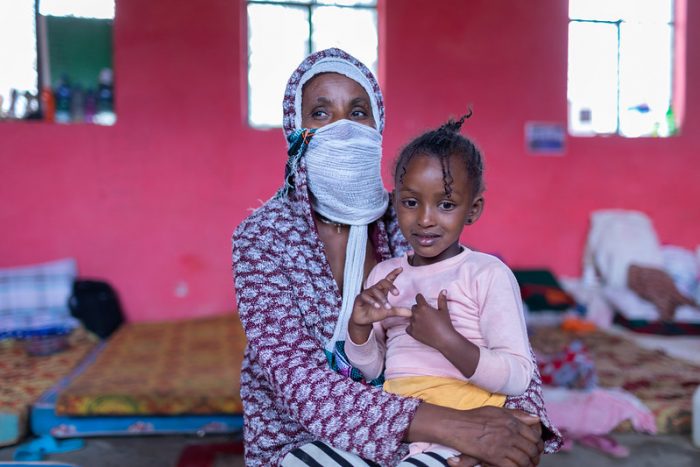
[77,104]
[105,98]
[90,105]
[12,110]
[63,100]
[671,121]
[696,417]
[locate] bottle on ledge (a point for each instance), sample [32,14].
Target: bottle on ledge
[62,96]
[105,99]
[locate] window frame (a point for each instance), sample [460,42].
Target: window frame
[308,6]
[44,97]
[676,61]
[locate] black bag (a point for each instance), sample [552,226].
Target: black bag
[96,305]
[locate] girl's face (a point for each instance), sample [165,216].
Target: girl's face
[329,97]
[431,221]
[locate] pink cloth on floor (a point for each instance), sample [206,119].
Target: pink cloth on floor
[596,412]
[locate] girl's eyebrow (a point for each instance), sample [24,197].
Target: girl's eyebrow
[358,100]
[407,189]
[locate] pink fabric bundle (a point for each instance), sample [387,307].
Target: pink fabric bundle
[588,416]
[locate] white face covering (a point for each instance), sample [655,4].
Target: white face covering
[343,163]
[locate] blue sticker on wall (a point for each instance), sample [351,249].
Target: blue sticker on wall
[545,138]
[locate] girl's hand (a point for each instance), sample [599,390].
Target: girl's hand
[371,306]
[429,325]
[434,327]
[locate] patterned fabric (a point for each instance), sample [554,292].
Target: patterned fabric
[24,378]
[571,368]
[662,383]
[338,361]
[319,453]
[297,141]
[168,368]
[34,299]
[531,401]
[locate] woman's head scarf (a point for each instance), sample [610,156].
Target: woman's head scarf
[329,61]
[343,167]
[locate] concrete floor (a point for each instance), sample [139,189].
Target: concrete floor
[137,451]
[163,451]
[645,450]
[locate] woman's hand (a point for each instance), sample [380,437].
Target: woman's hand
[494,435]
[509,438]
[371,305]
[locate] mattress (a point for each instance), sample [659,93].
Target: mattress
[167,368]
[151,378]
[23,378]
[663,383]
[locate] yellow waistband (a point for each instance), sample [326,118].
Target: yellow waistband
[446,392]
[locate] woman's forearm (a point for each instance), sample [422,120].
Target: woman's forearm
[428,423]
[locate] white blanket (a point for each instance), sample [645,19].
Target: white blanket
[616,240]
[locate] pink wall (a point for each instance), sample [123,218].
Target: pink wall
[150,203]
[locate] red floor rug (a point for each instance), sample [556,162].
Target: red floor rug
[209,455]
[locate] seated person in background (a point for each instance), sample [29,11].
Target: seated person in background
[656,286]
[623,251]
[472,354]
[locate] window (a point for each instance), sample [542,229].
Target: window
[282,33]
[57,61]
[18,74]
[621,67]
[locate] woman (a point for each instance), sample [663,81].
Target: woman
[300,259]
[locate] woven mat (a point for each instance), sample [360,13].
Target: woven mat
[168,368]
[664,384]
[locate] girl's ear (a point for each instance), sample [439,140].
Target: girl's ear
[475,211]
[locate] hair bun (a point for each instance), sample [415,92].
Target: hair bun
[453,126]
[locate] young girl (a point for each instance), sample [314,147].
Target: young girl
[445,323]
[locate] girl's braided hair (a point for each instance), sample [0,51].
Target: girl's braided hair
[441,144]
